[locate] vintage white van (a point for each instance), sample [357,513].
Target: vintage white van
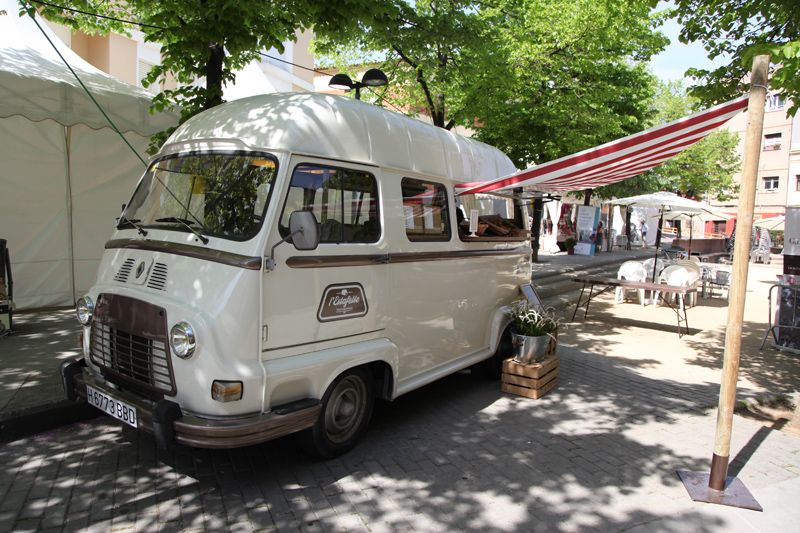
[284,261]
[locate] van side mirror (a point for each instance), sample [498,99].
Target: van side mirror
[304,230]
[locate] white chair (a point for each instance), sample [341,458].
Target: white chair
[675,276]
[648,267]
[695,276]
[632,271]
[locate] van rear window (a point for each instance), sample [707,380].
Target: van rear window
[425,206]
[345,202]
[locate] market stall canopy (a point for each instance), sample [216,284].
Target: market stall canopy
[772,224]
[710,215]
[617,160]
[65,171]
[35,83]
[668,202]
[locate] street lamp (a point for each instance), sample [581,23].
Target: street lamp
[371,78]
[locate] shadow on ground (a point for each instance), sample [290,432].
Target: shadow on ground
[29,375]
[457,455]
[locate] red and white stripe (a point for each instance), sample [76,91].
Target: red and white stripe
[616,160]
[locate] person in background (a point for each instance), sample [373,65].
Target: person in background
[644,233]
[598,238]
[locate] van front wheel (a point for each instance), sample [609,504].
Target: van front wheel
[346,410]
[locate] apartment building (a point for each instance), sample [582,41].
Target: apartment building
[779,163]
[131,58]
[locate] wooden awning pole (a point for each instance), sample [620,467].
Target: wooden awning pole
[741,260]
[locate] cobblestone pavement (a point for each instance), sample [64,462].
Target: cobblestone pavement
[598,453]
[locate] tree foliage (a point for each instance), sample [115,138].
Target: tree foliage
[705,169]
[209,39]
[574,76]
[741,29]
[537,78]
[424,46]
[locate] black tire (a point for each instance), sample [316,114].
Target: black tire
[492,368]
[346,410]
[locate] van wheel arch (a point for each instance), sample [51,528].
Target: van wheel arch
[492,368]
[346,410]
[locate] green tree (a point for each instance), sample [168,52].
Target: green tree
[424,47]
[537,78]
[741,29]
[705,169]
[209,39]
[575,78]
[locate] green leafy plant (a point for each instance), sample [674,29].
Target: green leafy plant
[533,322]
[570,242]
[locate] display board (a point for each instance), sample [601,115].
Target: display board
[586,226]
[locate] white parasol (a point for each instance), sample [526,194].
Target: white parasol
[669,203]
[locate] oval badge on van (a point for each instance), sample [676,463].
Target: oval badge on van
[342,301]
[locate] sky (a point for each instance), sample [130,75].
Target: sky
[677,57]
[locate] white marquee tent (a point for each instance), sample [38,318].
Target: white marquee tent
[65,173]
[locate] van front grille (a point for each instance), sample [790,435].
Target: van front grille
[129,341]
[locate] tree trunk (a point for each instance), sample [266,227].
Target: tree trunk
[438,112]
[536,226]
[216,58]
[587,195]
[628,228]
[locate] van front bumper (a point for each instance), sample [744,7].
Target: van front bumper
[166,422]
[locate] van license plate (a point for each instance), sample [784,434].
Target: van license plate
[112,406]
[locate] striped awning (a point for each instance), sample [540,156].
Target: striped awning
[617,160]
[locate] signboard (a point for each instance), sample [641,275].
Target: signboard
[791,241]
[586,225]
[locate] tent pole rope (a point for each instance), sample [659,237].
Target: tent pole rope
[86,89]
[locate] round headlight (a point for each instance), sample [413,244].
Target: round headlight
[84,308]
[182,340]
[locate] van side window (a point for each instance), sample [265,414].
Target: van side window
[344,201]
[425,207]
[495,219]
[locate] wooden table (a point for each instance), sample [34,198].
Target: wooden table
[608,284]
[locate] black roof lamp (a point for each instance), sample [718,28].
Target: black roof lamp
[371,78]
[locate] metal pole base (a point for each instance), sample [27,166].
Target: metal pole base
[734,495]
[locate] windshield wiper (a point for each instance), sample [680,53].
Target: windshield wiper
[133,222]
[188,224]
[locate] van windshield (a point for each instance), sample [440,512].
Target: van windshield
[214,194]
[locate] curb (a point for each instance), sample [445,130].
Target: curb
[42,418]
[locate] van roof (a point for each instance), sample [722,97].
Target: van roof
[335,127]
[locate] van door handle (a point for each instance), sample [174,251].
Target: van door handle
[383,259]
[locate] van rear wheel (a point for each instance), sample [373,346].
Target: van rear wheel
[346,410]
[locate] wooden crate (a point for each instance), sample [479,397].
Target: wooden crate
[530,380]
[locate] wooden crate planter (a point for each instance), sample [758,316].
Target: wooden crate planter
[532,380]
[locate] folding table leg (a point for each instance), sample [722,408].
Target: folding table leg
[578,303]
[588,300]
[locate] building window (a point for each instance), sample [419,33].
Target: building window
[719,226]
[775,102]
[345,202]
[143,69]
[426,215]
[797,182]
[771,183]
[772,141]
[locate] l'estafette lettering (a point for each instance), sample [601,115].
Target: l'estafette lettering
[344,300]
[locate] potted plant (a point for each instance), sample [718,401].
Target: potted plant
[569,244]
[534,332]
